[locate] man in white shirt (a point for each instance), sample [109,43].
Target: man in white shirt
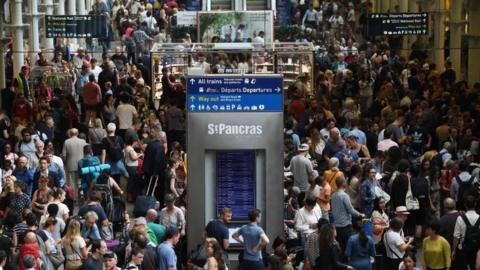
[311,18]
[306,219]
[3,259]
[125,114]
[459,254]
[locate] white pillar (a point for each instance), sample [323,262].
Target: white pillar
[60,8]
[34,38]
[473,42]
[47,43]
[17,25]
[456,29]
[3,41]
[81,11]
[71,11]
[384,5]
[439,34]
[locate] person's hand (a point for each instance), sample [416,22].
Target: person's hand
[453,255]
[350,268]
[314,226]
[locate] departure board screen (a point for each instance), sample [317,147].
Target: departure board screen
[235,178]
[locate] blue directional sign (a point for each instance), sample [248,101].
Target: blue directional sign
[245,93]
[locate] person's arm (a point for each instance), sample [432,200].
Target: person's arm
[349,207]
[236,236]
[477,263]
[99,94]
[84,252]
[335,257]
[405,246]
[133,155]
[366,153]
[264,241]
[115,186]
[103,156]
[34,199]
[457,235]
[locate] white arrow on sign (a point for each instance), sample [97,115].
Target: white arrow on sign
[192,80]
[278,89]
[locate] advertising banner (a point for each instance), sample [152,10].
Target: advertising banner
[234,26]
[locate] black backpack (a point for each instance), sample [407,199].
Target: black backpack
[115,151]
[102,186]
[471,242]
[465,189]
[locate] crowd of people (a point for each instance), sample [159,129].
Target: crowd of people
[381,154]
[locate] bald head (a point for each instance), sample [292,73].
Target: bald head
[449,204]
[30,237]
[151,215]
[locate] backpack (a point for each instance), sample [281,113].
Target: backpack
[471,242]
[103,187]
[115,151]
[465,189]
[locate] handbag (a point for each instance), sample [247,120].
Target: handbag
[410,201]
[57,258]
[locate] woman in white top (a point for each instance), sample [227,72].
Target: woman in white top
[74,246]
[215,256]
[58,198]
[50,244]
[131,162]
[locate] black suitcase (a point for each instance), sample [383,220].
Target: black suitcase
[147,201]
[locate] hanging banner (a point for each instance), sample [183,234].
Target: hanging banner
[194,5]
[234,26]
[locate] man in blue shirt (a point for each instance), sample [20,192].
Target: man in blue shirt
[167,260]
[254,239]
[22,173]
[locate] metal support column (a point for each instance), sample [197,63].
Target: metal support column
[439,34]
[34,38]
[473,41]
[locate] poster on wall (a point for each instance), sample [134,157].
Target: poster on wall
[284,12]
[240,26]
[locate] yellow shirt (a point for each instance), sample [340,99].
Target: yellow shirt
[331,177]
[436,253]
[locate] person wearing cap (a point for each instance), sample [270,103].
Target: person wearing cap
[301,168]
[110,261]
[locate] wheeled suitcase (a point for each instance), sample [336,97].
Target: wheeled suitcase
[147,201]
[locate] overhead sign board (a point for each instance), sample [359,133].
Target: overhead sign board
[246,93]
[76,26]
[388,24]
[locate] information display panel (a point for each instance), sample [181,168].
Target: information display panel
[76,26]
[387,24]
[235,181]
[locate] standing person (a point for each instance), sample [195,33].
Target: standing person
[448,220]
[125,114]
[435,249]
[464,249]
[218,229]
[92,96]
[74,246]
[329,250]
[254,239]
[131,162]
[396,244]
[167,260]
[301,168]
[21,82]
[360,248]
[342,211]
[95,259]
[72,152]
[24,174]
[112,153]
[215,256]
[155,161]
[136,259]
[306,219]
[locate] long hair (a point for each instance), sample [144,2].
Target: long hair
[326,237]
[73,231]
[217,252]
[362,236]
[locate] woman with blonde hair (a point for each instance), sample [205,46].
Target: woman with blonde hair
[95,136]
[74,246]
